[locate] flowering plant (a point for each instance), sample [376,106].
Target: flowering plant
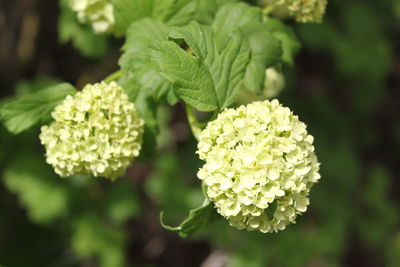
[260,162]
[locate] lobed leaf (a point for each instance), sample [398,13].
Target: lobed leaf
[230,17]
[198,218]
[290,44]
[266,49]
[207,9]
[172,12]
[137,68]
[32,109]
[206,79]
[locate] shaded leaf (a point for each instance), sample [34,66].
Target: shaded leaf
[93,237]
[270,211]
[206,79]
[32,109]
[285,34]
[38,188]
[231,17]
[266,49]
[122,201]
[137,68]
[147,109]
[207,9]
[172,12]
[198,218]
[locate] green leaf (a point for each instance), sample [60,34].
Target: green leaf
[207,9]
[39,190]
[147,109]
[175,12]
[232,17]
[130,85]
[82,36]
[172,12]
[270,211]
[33,85]
[374,198]
[198,218]
[206,79]
[122,201]
[91,236]
[127,11]
[167,187]
[266,50]
[285,34]
[137,68]
[32,109]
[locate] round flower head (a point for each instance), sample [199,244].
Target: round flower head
[99,13]
[301,10]
[260,165]
[306,10]
[97,132]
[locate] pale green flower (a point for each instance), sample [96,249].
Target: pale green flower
[97,132]
[260,165]
[301,10]
[98,13]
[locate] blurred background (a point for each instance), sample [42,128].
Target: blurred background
[345,85]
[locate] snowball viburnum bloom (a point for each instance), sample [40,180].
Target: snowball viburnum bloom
[306,10]
[97,132]
[98,13]
[260,165]
[301,10]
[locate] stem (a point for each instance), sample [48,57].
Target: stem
[195,125]
[269,8]
[113,76]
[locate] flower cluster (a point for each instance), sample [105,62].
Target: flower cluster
[306,10]
[98,13]
[260,165]
[301,10]
[97,132]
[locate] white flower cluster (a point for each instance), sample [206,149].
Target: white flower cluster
[306,10]
[260,165]
[97,132]
[301,10]
[98,13]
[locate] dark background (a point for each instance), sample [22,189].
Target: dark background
[345,85]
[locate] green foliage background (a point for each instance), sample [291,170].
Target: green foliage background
[345,84]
